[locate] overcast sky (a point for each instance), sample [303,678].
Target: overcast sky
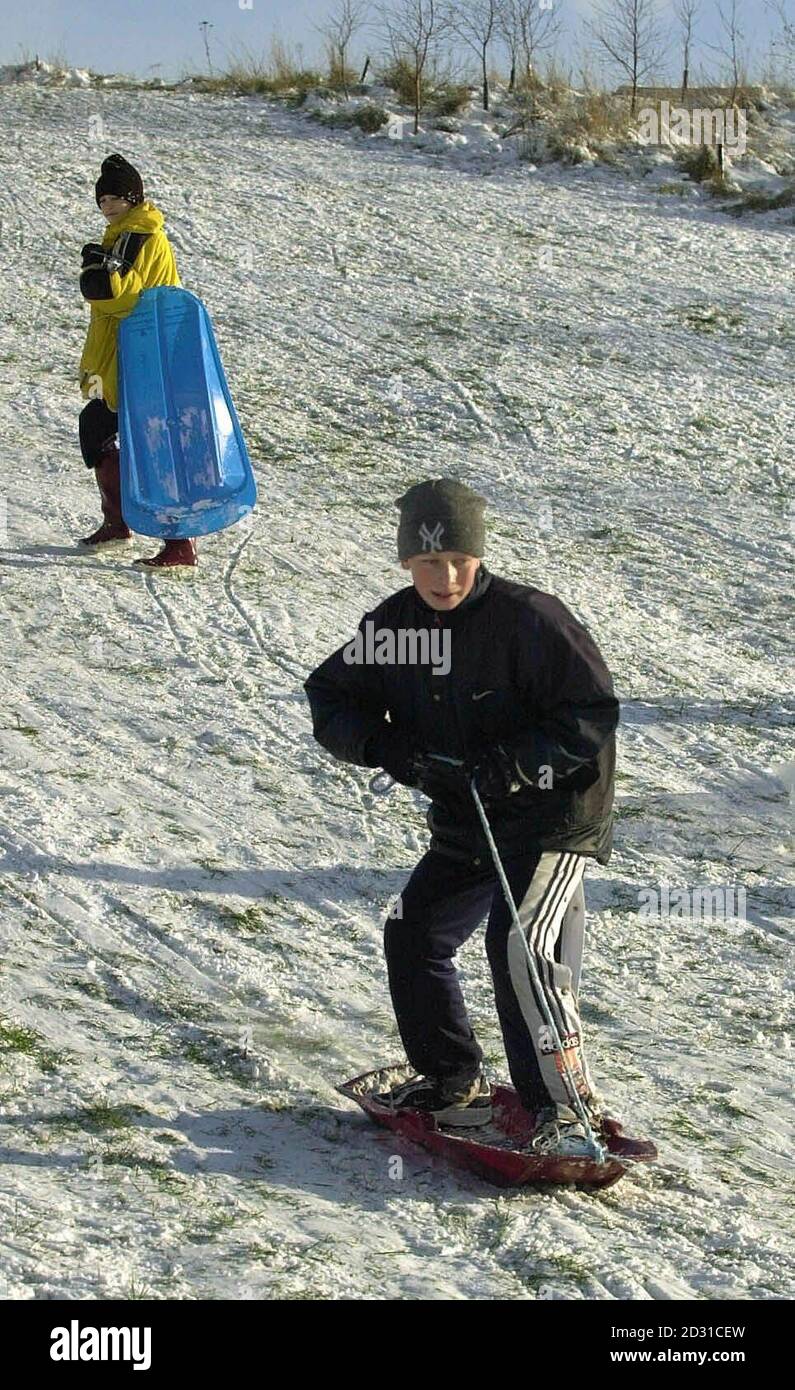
[162,37]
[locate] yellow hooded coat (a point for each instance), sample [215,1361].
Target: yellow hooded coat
[153,264]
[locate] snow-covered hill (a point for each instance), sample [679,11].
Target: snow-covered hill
[191,893]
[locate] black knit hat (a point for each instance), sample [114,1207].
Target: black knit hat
[121,179]
[441,515]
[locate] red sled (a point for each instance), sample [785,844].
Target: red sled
[499,1154]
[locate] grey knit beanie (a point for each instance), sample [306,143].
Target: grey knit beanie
[441,515]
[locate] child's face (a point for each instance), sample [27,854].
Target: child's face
[443,580]
[112,207]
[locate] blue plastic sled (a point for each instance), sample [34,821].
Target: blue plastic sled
[185,470]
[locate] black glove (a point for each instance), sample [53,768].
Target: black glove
[495,774]
[396,753]
[441,780]
[93,254]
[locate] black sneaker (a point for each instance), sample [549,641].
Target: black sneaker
[461,1105]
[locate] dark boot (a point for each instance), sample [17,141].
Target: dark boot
[174,555]
[114,527]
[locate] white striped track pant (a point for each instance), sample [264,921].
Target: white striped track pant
[440,907]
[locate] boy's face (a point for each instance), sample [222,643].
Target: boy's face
[443,579]
[112,207]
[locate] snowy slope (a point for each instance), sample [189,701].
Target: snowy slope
[192,893]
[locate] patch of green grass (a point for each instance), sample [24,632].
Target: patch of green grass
[264,1254]
[449,98]
[699,161]
[284,1035]
[17,1038]
[455,1219]
[22,1225]
[368,118]
[618,541]
[180,832]
[708,318]
[317,1250]
[19,728]
[170,1182]
[184,1008]
[684,1125]
[198,1052]
[130,1158]
[103,1116]
[279,79]
[211,1227]
[443,326]
[763,202]
[251,919]
[499,1224]
[570,1267]
[731,1108]
[213,867]
[212,1053]
[136,1290]
[149,673]
[92,988]
[761,943]
[545,1269]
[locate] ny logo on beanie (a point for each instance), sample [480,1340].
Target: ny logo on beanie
[456,512]
[431,539]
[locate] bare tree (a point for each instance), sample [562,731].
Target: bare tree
[784,41]
[413,29]
[508,29]
[527,30]
[686,11]
[629,38]
[731,47]
[475,22]
[540,29]
[339,27]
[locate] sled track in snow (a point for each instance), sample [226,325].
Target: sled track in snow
[242,611]
[110,946]
[135,782]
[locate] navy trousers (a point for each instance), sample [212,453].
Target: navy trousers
[442,904]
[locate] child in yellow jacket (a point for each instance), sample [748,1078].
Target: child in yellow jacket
[134,255]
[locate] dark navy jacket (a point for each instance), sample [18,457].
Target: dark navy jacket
[525,674]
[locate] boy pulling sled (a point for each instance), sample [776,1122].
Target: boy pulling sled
[523,704]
